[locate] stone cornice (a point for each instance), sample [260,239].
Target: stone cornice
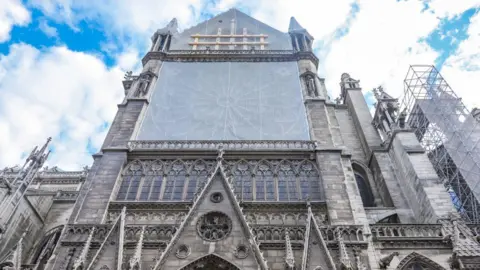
[230,56]
[232,145]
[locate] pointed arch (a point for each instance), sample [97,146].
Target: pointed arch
[44,248]
[152,182]
[361,173]
[198,173]
[309,180]
[131,178]
[287,181]
[211,261]
[243,182]
[264,181]
[415,260]
[175,182]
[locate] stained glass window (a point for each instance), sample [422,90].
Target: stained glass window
[365,192]
[197,178]
[261,180]
[132,177]
[309,181]
[264,182]
[287,182]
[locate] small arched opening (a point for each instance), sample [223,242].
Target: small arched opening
[364,188]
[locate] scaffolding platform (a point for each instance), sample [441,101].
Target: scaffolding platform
[449,133]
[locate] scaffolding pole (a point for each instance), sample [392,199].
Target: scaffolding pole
[449,133]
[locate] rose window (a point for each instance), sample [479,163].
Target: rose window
[214,226]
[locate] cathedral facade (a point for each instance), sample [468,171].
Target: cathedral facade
[227,153]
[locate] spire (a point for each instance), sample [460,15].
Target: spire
[136,260]
[294,25]
[170,29]
[317,254]
[289,259]
[15,258]
[81,261]
[121,237]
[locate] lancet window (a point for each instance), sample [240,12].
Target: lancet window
[363,186]
[254,180]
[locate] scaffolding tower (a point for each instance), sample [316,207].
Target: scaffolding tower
[449,133]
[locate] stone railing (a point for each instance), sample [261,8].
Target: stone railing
[230,55]
[202,52]
[225,145]
[406,231]
[77,233]
[73,174]
[297,233]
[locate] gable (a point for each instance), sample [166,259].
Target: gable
[213,226]
[222,24]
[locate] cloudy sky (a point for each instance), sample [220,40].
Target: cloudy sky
[62,61]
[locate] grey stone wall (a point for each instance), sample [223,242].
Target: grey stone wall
[363,120]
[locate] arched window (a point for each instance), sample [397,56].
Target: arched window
[46,247]
[309,181]
[198,177]
[175,182]
[416,261]
[365,193]
[264,182]
[363,186]
[132,175]
[153,180]
[287,182]
[242,174]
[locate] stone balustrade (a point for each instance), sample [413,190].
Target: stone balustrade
[225,145]
[405,231]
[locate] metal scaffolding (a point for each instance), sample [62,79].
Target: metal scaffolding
[448,132]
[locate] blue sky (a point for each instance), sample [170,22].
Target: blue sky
[62,61]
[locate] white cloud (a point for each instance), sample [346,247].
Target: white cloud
[12,12]
[69,95]
[380,45]
[48,30]
[60,93]
[320,17]
[462,69]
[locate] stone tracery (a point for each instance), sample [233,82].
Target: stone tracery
[254,180]
[214,226]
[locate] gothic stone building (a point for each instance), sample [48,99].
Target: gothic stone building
[227,153]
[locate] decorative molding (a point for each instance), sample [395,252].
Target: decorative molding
[414,256]
[230,56]
[241,251]
[214,226]
[183,251]
[226,145]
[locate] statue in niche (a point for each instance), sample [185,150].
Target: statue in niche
[311,87]
[143,85]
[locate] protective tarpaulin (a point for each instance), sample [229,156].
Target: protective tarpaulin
[226,101]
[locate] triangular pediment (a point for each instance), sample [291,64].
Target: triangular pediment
[235,22]
[316,254]
[214,225]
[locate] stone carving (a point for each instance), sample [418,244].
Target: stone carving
[216,197]
[214,226]
[289,180]
[183,251]
[226,55]
[214,145]
[385,261]
[241,251]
